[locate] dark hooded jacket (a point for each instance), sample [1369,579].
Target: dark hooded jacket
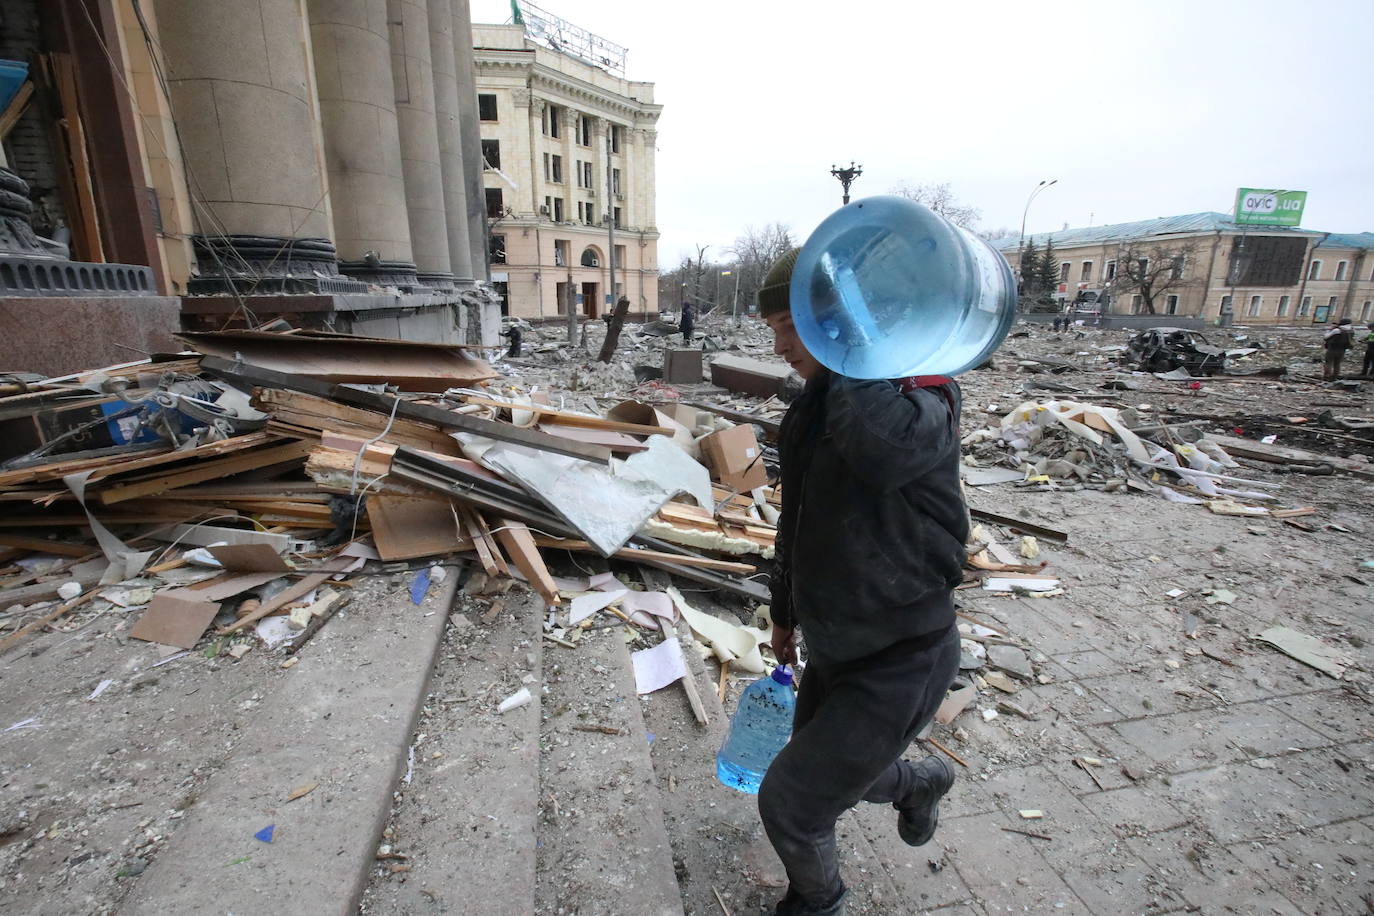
[871,540]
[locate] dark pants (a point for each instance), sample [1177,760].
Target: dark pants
[853,722]
[686,328]
[1331,368]
[1367,370]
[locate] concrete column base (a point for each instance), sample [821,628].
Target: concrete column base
[253,264]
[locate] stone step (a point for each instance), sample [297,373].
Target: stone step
[603,848]
[342,720]
[465,822]
[718,842]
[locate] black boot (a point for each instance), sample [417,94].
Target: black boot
[793,905]
[917,814]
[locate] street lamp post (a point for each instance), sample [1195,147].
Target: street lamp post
[1038,188]
[847,176]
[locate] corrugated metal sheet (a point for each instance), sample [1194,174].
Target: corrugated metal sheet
[1348,240]
[1164,225]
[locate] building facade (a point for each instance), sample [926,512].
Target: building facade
[314,159]
[569,153]
[1209,268]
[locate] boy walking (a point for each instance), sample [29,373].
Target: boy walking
[870,546]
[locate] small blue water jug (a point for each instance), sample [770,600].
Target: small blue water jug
[761,726]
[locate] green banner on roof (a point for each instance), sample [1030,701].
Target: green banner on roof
[1256,207]
[515,15]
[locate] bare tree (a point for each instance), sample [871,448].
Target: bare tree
[754,253]
[1151,270]
[1001,232]
[941,199]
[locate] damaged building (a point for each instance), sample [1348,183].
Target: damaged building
[569,152]
[1203,268]
[205,164]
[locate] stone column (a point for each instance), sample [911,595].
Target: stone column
[450,139]
[243,95]
[524,99]
[466,71]
[424,180]
[645,167]
[362,146]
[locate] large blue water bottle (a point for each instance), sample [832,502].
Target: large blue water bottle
[762,725]
[885,288]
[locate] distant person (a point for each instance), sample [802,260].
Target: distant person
[686,322]
[514,334]
[1056,324]
[1367,370]
[1336,341]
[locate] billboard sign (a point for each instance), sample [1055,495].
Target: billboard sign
[1256,207]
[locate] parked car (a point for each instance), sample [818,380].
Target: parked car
[1166,349]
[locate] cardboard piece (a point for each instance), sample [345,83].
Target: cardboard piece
[648,415]
[249,558]
[225,586]
[175,619]
[735,458]
[1307,649]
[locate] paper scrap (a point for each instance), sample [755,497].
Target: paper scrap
[101,688]
[1221,596]
[1307,649]
[729,642]
[1028,584]
[249,558]
[658,667]
[515,700]
[125,563]
[643,607]
[31,722]
[584,606]
[275,630]
[1031,814]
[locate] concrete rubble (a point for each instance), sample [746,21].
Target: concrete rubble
[1164,619]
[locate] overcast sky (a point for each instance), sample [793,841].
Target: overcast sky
[1138,109]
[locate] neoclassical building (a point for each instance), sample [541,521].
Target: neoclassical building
[568,149]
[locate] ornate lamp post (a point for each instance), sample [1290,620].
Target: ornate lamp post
[847,176]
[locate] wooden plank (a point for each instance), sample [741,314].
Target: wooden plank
[70,137]
[484,554]
[446,419]
[1021,525]
[321,414]
[628,553]
[299,590]
[770,427]
[524,553]
[208,450]
[616,442]
[1281,454]
[14,638]
[480,529]
[43,545]
[15,109]
[206,470]
[573,419]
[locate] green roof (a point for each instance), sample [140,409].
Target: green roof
[1163,225]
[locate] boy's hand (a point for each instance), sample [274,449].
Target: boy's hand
[784,645]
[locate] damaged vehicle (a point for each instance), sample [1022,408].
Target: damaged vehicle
[1166,349]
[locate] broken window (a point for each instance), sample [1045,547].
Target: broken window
[1225,305]
[491,154]
[486,107]
[560,252]
[587,176]
[616,217]
[1332,303]
[615,183]
[584,130]
[1266,261]
[589,258]
[547,209]
[1086,273]
[1305,307]
[1179,262]
[1284,302]
[1364,312]
[617,137]
[1109,271]
[558,209]
[1314,270]
[1137,302]
[1340,270]
[557,168]
[496,249]
[495,206]
[548,174]
[1171,304]
[1255,303]
[551,121]
[577,169]
[1064,272]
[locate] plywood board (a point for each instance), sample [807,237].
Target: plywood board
[406,527]
[249,558]
[175,619]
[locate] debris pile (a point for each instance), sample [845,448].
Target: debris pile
[231,485]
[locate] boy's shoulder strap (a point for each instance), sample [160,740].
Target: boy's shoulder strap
[912,382]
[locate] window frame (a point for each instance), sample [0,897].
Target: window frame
[1314,269]
[1285,303]
[481,107]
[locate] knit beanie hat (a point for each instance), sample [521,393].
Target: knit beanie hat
[773,295]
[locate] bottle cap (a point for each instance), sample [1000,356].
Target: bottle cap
[783,675]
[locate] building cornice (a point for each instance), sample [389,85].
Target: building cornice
[543,79]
